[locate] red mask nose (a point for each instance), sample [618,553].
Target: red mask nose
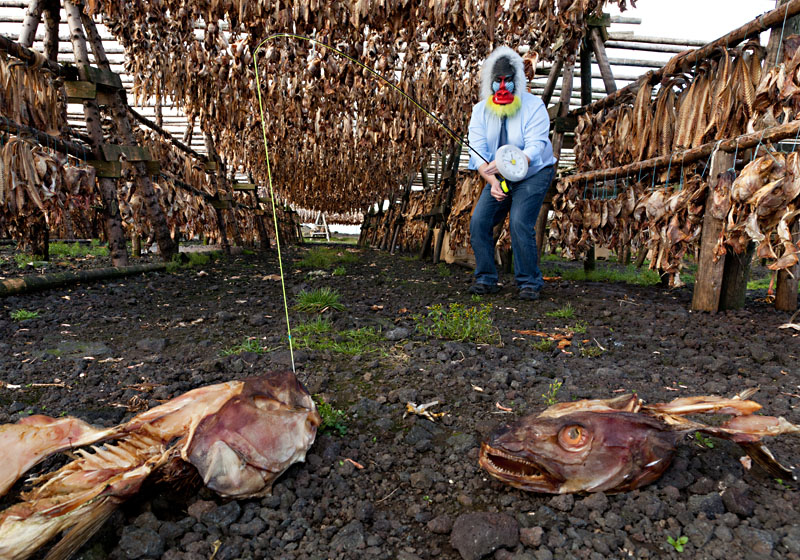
[502,96]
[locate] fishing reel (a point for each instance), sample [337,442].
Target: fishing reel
[512,164]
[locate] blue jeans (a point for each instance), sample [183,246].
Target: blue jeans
[524,202]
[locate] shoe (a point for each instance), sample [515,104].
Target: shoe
[481,289]
[529,294]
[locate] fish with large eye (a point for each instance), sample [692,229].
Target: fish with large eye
[619,444]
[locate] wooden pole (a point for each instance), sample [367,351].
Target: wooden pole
[734,278]
[589,263]
[708,282]
[558,142]
[773,134]
[260,224]
[167,247]
[52,19]
[751,29]
[108,187]
[602,60]
[552,78]
[31,23]
[212,155]
[13,286]
[786,284]
[786,289]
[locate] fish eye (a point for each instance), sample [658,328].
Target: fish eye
[572,436]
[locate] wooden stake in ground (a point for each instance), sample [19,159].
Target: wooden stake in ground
[708,281]
[212,156]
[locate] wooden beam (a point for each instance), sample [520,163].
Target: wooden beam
[773,134]
[52,19]
[64,146]
[708,281]
[550,85]
[750,29]
[32,57]
[602,60]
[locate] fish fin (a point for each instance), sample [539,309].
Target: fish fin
[83,530]
[763,457]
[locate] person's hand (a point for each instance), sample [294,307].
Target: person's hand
[496,190]
[491,168]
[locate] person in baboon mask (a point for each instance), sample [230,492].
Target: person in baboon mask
[508,114]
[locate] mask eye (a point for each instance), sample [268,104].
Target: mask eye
[510,86]
[495,86]
[573,436]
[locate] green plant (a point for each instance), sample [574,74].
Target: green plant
[76,250]
[339,271]
[318,300]
[190,260]
[247,345]
[543,345]
[783,484]
[580,327]
[458,323]
[325,257]
[23,259]
[24,315]
[333,419]
[319,335]
[552,390]
[591,351]
[476,298]
[678,543]
[607,273]
[443,270]
[566,312]
[703,440]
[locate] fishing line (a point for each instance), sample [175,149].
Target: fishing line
[450,132]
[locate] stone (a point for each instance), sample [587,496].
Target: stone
[223,516]
[441,525]
[349,538]
[461,442]
[400,333]
[154,345]
[710,504]
[475,535]
[736,501]
[257,319]
[200,507]
[596,502]
[562,502]
[531,536]
[137,542]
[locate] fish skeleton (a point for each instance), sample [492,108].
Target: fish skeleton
[619,444]
[239,435]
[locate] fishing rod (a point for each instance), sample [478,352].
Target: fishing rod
[509,157]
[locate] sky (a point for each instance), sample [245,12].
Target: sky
[692,19]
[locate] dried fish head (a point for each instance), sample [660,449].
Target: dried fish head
[256,436]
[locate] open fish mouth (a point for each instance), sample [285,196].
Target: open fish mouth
[514,470]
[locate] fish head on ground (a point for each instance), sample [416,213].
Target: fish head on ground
[572,450]
[255,436]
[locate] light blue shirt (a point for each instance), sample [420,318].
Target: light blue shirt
[528,129]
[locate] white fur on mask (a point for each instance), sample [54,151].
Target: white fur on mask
[520,82]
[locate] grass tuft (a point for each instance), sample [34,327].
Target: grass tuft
[550,397]
[318,300]
[24,315]
[566,312]
[443,270]
[247,345]
[326,257]
[339,271]
[629,275]
[543,345]
[458,323]
[319,335]
[333,419]
[183,261]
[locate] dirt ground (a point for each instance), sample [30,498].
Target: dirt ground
[105,350]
